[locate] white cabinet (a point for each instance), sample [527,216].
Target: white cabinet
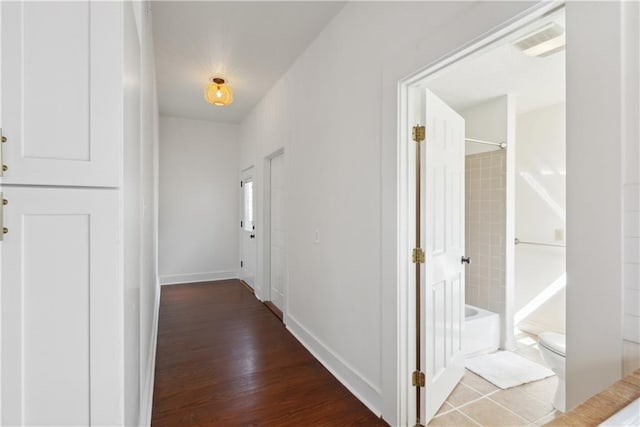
[61,308]
[61,92]
[61,293]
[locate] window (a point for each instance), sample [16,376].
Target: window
[248,206]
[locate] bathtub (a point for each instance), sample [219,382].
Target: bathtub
[481,331]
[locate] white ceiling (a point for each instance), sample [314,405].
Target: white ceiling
[536,81]
[251,44]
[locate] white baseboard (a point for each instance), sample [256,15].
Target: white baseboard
[146,396]
[369,394]
[175,279]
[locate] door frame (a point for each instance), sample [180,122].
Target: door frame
[241,230]
[406,89]
[266,227]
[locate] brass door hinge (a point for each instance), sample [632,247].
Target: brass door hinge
[3,230]
[3,167]
[418,256]
[418,133]
[417,379]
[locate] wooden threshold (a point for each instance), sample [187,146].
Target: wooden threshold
[275,310]
[603,405]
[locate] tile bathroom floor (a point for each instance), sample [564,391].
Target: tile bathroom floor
[477,402]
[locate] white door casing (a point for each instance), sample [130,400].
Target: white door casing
[248,228]
[61,308]
[444,242]
[62,92]
[277,235]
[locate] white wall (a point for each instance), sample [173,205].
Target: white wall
[326,112]
[335,112]
[631,191]
[199,200]
[130,197]
[540,211]
[141,293]
[487,122]
[597,136]
[149,279]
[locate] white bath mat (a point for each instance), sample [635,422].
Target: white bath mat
[506,369]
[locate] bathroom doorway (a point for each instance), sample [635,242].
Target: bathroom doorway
[509,94]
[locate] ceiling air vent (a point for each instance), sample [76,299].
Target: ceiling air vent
[544,41]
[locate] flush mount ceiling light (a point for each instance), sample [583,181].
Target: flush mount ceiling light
[218,92]
[544,41]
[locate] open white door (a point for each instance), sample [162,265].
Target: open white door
[444,240]
[277,244]
[248,229]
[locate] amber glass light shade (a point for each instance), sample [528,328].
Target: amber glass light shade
[218,92]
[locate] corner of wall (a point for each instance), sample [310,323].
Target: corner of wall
[146,393]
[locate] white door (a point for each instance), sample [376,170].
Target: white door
[61,308]
[248,228]
[61,92]
[443,301]
[277,247]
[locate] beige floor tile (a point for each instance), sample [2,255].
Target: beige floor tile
[453,418]
[461,395]
[543,390]
[548,418]
[522,404]
[478,383]
[489,413]
[444,408]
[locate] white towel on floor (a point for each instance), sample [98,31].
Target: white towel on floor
[506,369]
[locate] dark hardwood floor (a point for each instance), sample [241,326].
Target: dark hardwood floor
[224,359]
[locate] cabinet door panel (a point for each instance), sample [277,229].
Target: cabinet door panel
[61,92]
[61,339]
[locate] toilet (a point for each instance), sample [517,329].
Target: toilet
[553,349]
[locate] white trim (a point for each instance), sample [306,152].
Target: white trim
[265,293]
[362,388]
[248,175]
[146,395]
[176,279]
[266,234]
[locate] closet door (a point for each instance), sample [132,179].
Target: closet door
[61,305]
[61,92]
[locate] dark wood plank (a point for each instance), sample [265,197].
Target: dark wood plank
[224,359]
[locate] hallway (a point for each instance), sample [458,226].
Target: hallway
[224,359]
